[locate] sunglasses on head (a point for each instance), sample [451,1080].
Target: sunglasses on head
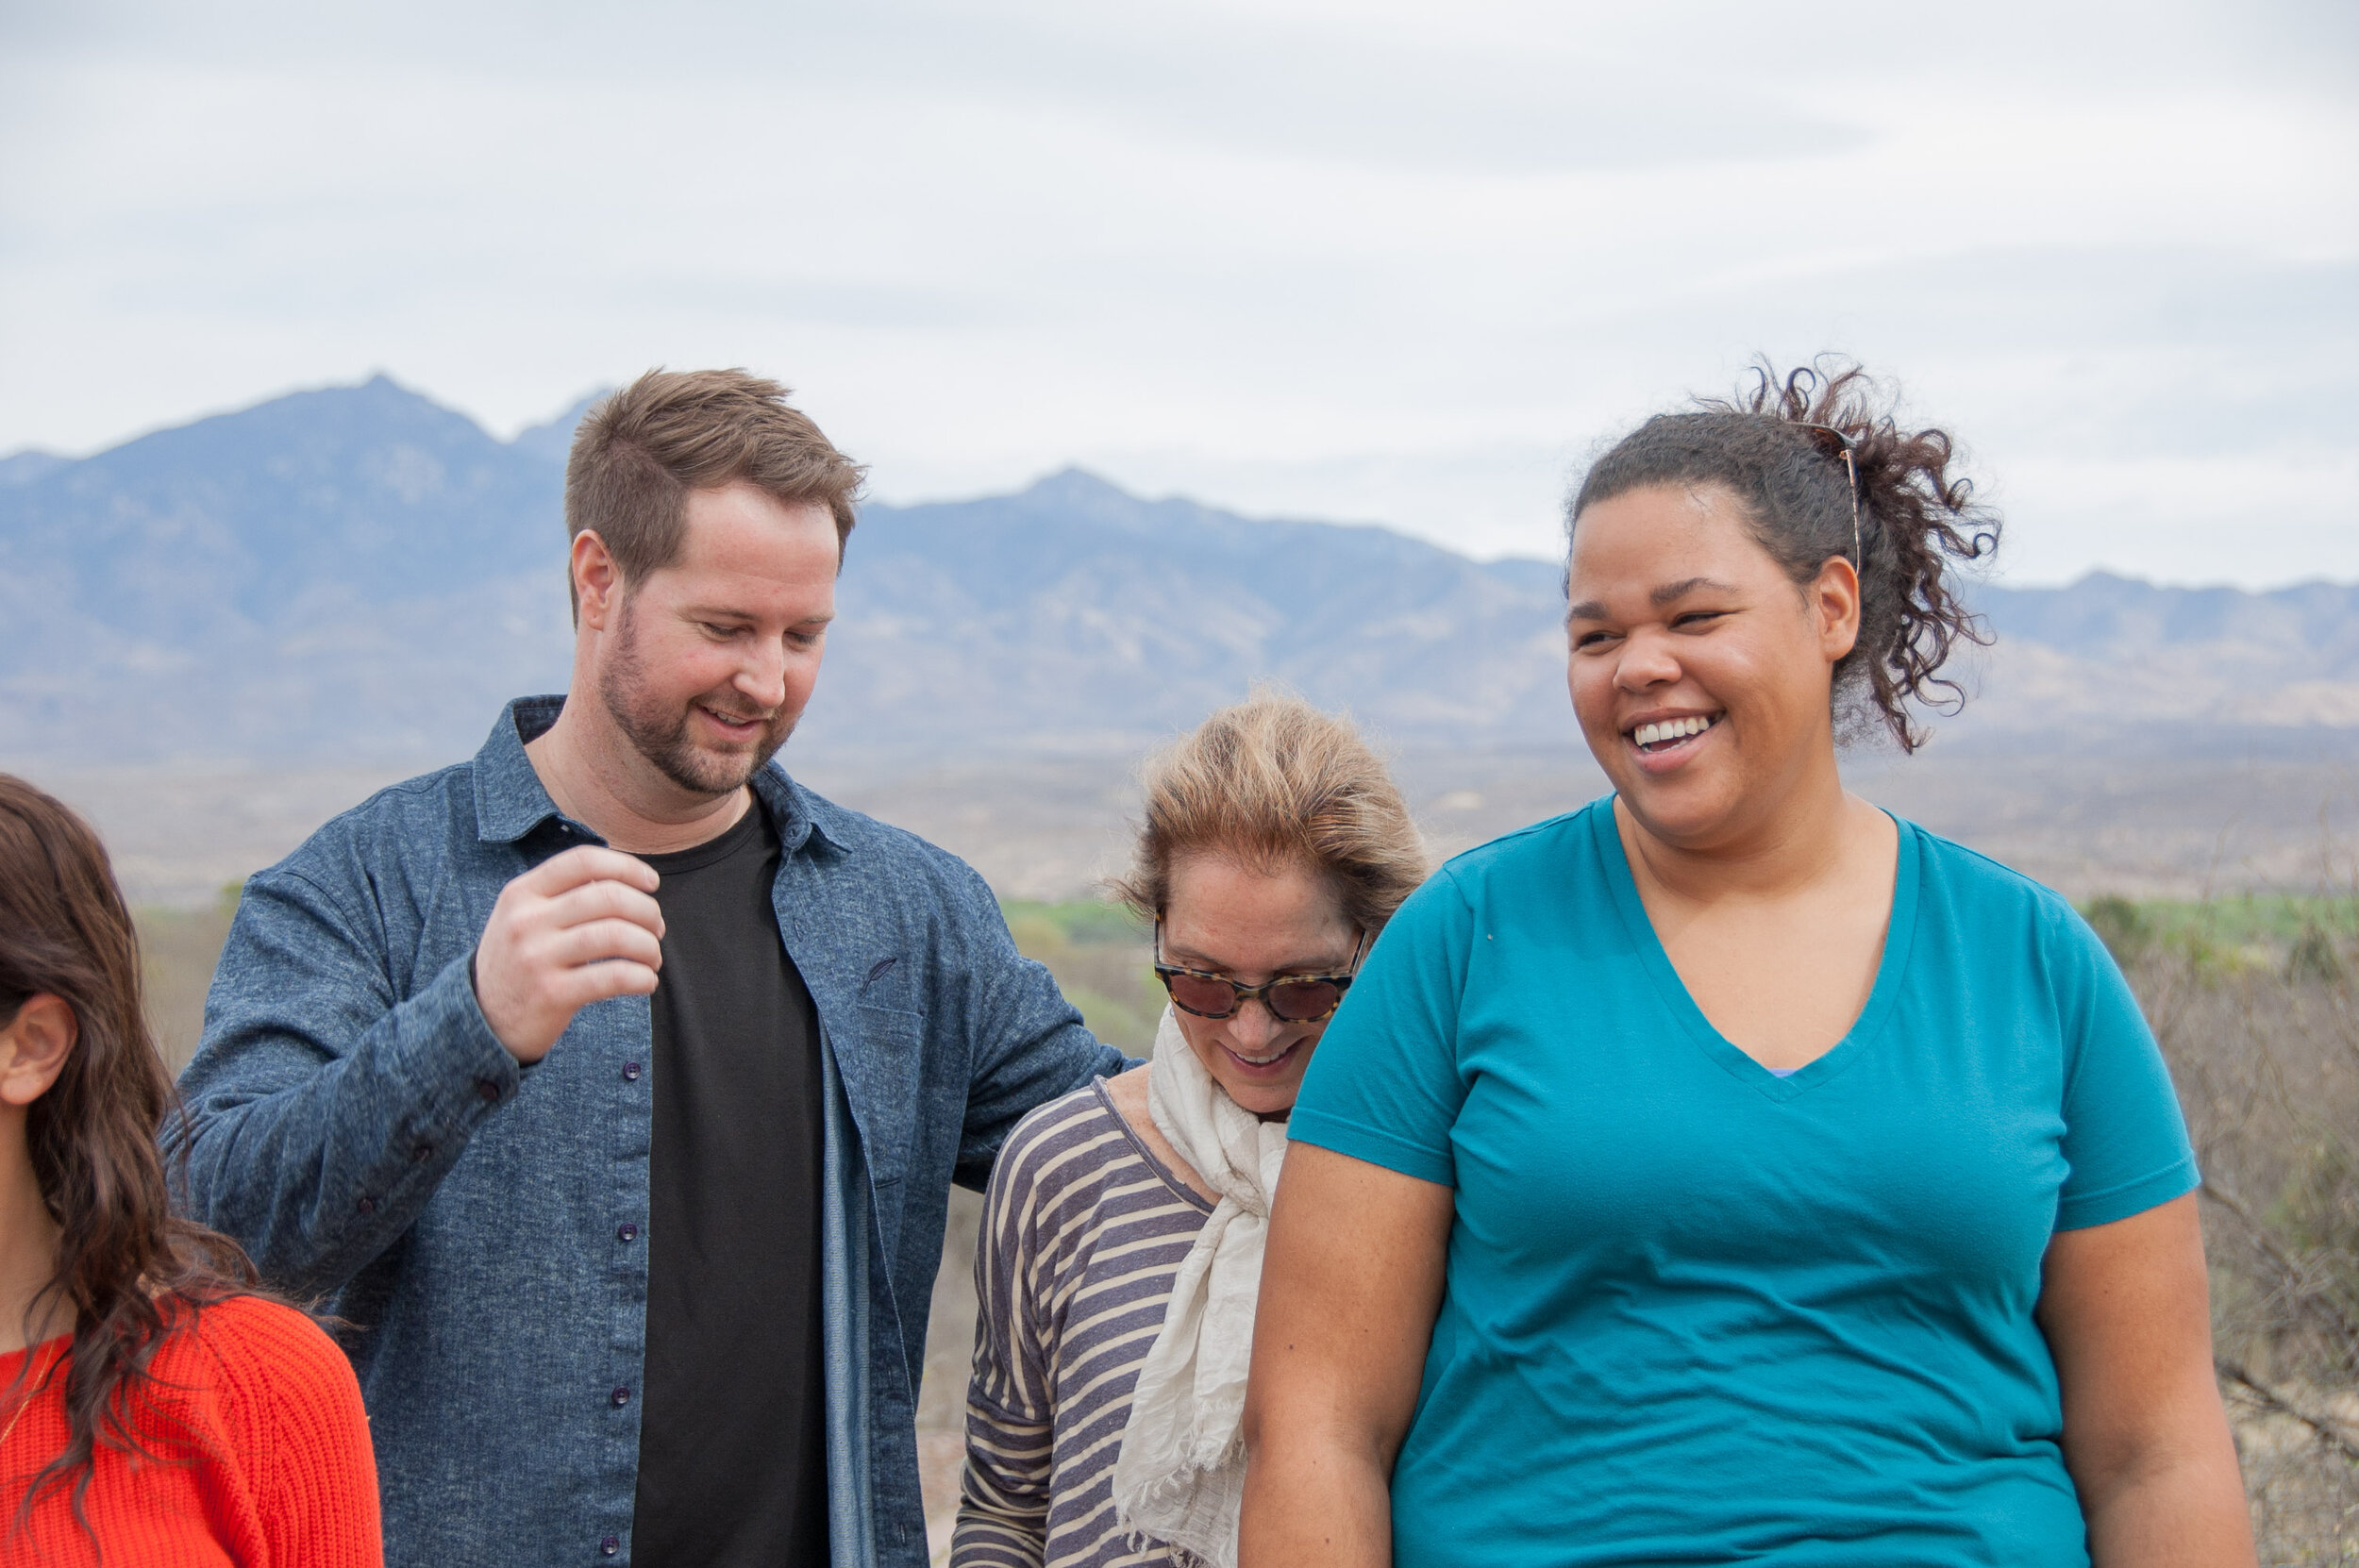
[1835,444]
[1290,998]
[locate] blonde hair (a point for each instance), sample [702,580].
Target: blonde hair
[1273,781]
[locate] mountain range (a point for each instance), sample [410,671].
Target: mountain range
[358,573]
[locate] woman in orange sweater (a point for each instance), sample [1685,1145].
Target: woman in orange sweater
[154,1411]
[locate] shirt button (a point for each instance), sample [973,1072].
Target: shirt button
[621,1397]
[486,1088]
[610,1546]
[630,1070]
[423,1152]
[368,1205]
[627,1232]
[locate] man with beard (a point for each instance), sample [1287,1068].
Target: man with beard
[608,1088]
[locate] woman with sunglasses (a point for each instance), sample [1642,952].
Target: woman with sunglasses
[1122,1234]
[152,1409]
[1728,1171]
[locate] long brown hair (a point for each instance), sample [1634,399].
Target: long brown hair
[128,1266]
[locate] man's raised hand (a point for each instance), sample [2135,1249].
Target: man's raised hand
[577,928]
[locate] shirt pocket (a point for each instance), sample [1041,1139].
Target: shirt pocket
[890,1076]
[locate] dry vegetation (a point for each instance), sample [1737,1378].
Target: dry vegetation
[2256,1001]
[177,951]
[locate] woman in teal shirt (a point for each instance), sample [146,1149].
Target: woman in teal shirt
[1728,1172]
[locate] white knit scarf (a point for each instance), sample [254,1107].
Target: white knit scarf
[1181,1474]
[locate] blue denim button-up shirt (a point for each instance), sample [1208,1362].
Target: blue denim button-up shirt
[482,1227]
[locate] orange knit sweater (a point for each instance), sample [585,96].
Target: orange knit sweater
[261,1454]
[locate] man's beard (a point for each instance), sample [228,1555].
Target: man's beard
[659,731]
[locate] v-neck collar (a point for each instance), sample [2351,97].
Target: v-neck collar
[1899,933]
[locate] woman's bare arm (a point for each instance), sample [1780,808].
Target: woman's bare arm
[2127,1313]
[1350,1285]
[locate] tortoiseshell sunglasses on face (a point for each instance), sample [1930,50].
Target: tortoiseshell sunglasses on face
[1290,998]
[1838,445]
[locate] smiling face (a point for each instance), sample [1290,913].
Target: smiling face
[1250,926]
[1700,675]
[707,664]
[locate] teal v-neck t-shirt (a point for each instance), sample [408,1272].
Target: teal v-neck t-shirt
[1700,1313]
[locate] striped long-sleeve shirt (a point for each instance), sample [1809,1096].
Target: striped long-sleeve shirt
[1083,1230]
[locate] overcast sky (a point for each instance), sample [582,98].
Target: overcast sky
[1402,263]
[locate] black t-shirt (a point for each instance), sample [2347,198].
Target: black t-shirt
[733,1455]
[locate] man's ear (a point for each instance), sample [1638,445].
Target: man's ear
[33,1047]
[597,580]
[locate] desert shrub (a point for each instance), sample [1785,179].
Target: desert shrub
[1099,953]
[2315,956]
[2258,1014]
[2123,926]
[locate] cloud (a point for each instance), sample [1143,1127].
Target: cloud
[1382,261]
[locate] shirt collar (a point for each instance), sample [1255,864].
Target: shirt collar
[510,801]
[798,815]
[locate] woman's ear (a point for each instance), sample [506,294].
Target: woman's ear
[33,1047]
[1835,603]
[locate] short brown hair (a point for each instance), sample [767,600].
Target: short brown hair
[639,452]
[1273,781]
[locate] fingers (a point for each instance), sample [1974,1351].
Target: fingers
[577,988]
[599,941]
[577,928]
[587,864]
[604,900]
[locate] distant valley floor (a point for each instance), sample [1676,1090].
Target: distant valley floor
[2147,815]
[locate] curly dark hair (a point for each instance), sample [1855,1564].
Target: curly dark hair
[1915,519]
[129,1269]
